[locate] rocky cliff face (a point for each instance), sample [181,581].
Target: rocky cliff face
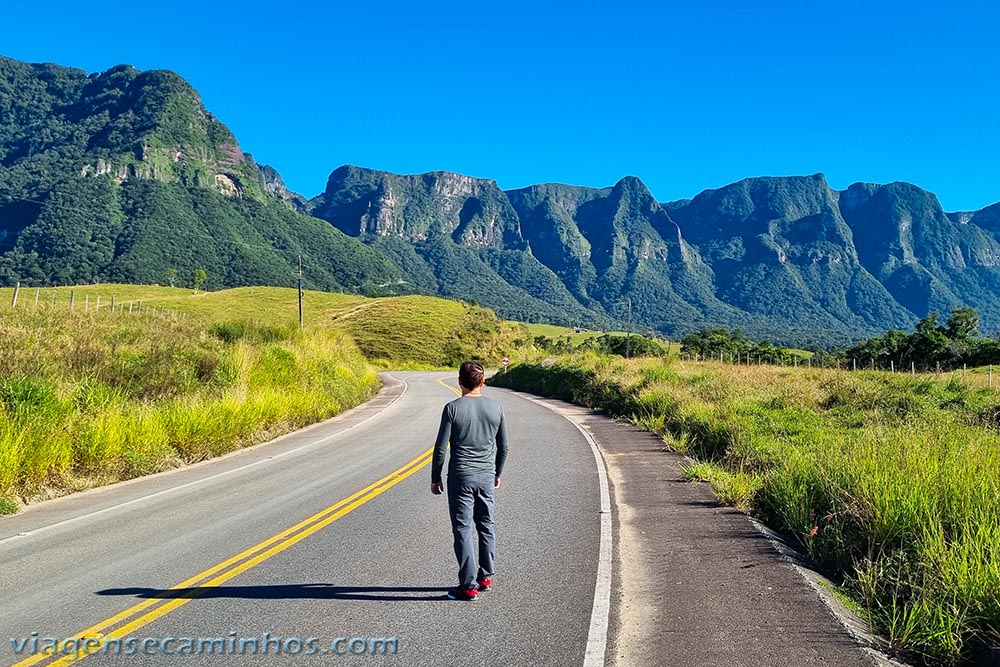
[780,247]
[122,123]
[470,211]
[272,183]
[788,258]
[926,258]
[455,235]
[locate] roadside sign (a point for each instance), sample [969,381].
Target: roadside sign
[505,361]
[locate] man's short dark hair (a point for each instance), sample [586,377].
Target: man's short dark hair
[471,374]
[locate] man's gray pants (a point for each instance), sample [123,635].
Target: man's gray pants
[470,502]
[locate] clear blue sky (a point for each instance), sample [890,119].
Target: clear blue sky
[583,92]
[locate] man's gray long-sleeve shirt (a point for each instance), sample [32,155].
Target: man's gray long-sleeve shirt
[477,430]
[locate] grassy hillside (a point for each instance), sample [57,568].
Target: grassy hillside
[392,331]
[890,482]
[417,330]
[553,331]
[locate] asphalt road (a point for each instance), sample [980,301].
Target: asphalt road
[376,566]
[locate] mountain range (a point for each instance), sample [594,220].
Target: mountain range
[125,176]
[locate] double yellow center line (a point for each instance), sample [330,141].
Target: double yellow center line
[125,623]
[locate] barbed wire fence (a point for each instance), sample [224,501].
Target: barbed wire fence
[27,297]
[853,364]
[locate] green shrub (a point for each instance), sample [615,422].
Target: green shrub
[8,506]
[250,331]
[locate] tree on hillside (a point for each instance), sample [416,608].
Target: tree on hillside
[930,344]
[198,278]
[710,342]
[171,276]
[929,341]
[634,345]
[962,323]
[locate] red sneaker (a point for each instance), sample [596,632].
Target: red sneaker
[485,584]
[464,594]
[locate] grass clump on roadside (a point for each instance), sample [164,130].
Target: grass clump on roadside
[890,482]
[93,398]
[8,506]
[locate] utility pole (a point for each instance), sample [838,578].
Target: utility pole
[628,331]
[300,292]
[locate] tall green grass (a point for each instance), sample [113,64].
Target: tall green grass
[889,482]
[92,398]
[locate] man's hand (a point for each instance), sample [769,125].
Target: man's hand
[437,488]
[496,482]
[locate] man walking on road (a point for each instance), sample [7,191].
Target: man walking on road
[475,427]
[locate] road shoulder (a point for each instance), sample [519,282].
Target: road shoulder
[697,583]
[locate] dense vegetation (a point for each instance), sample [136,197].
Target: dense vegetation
[735,346]
[889,482]
[951,345]
[94,230]
[634,345]
[931,346]
[124,176]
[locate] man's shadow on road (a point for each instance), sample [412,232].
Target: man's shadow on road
[288,592]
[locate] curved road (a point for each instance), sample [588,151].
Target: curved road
[327,533]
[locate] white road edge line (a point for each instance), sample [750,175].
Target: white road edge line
[597,637]
[215,476]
